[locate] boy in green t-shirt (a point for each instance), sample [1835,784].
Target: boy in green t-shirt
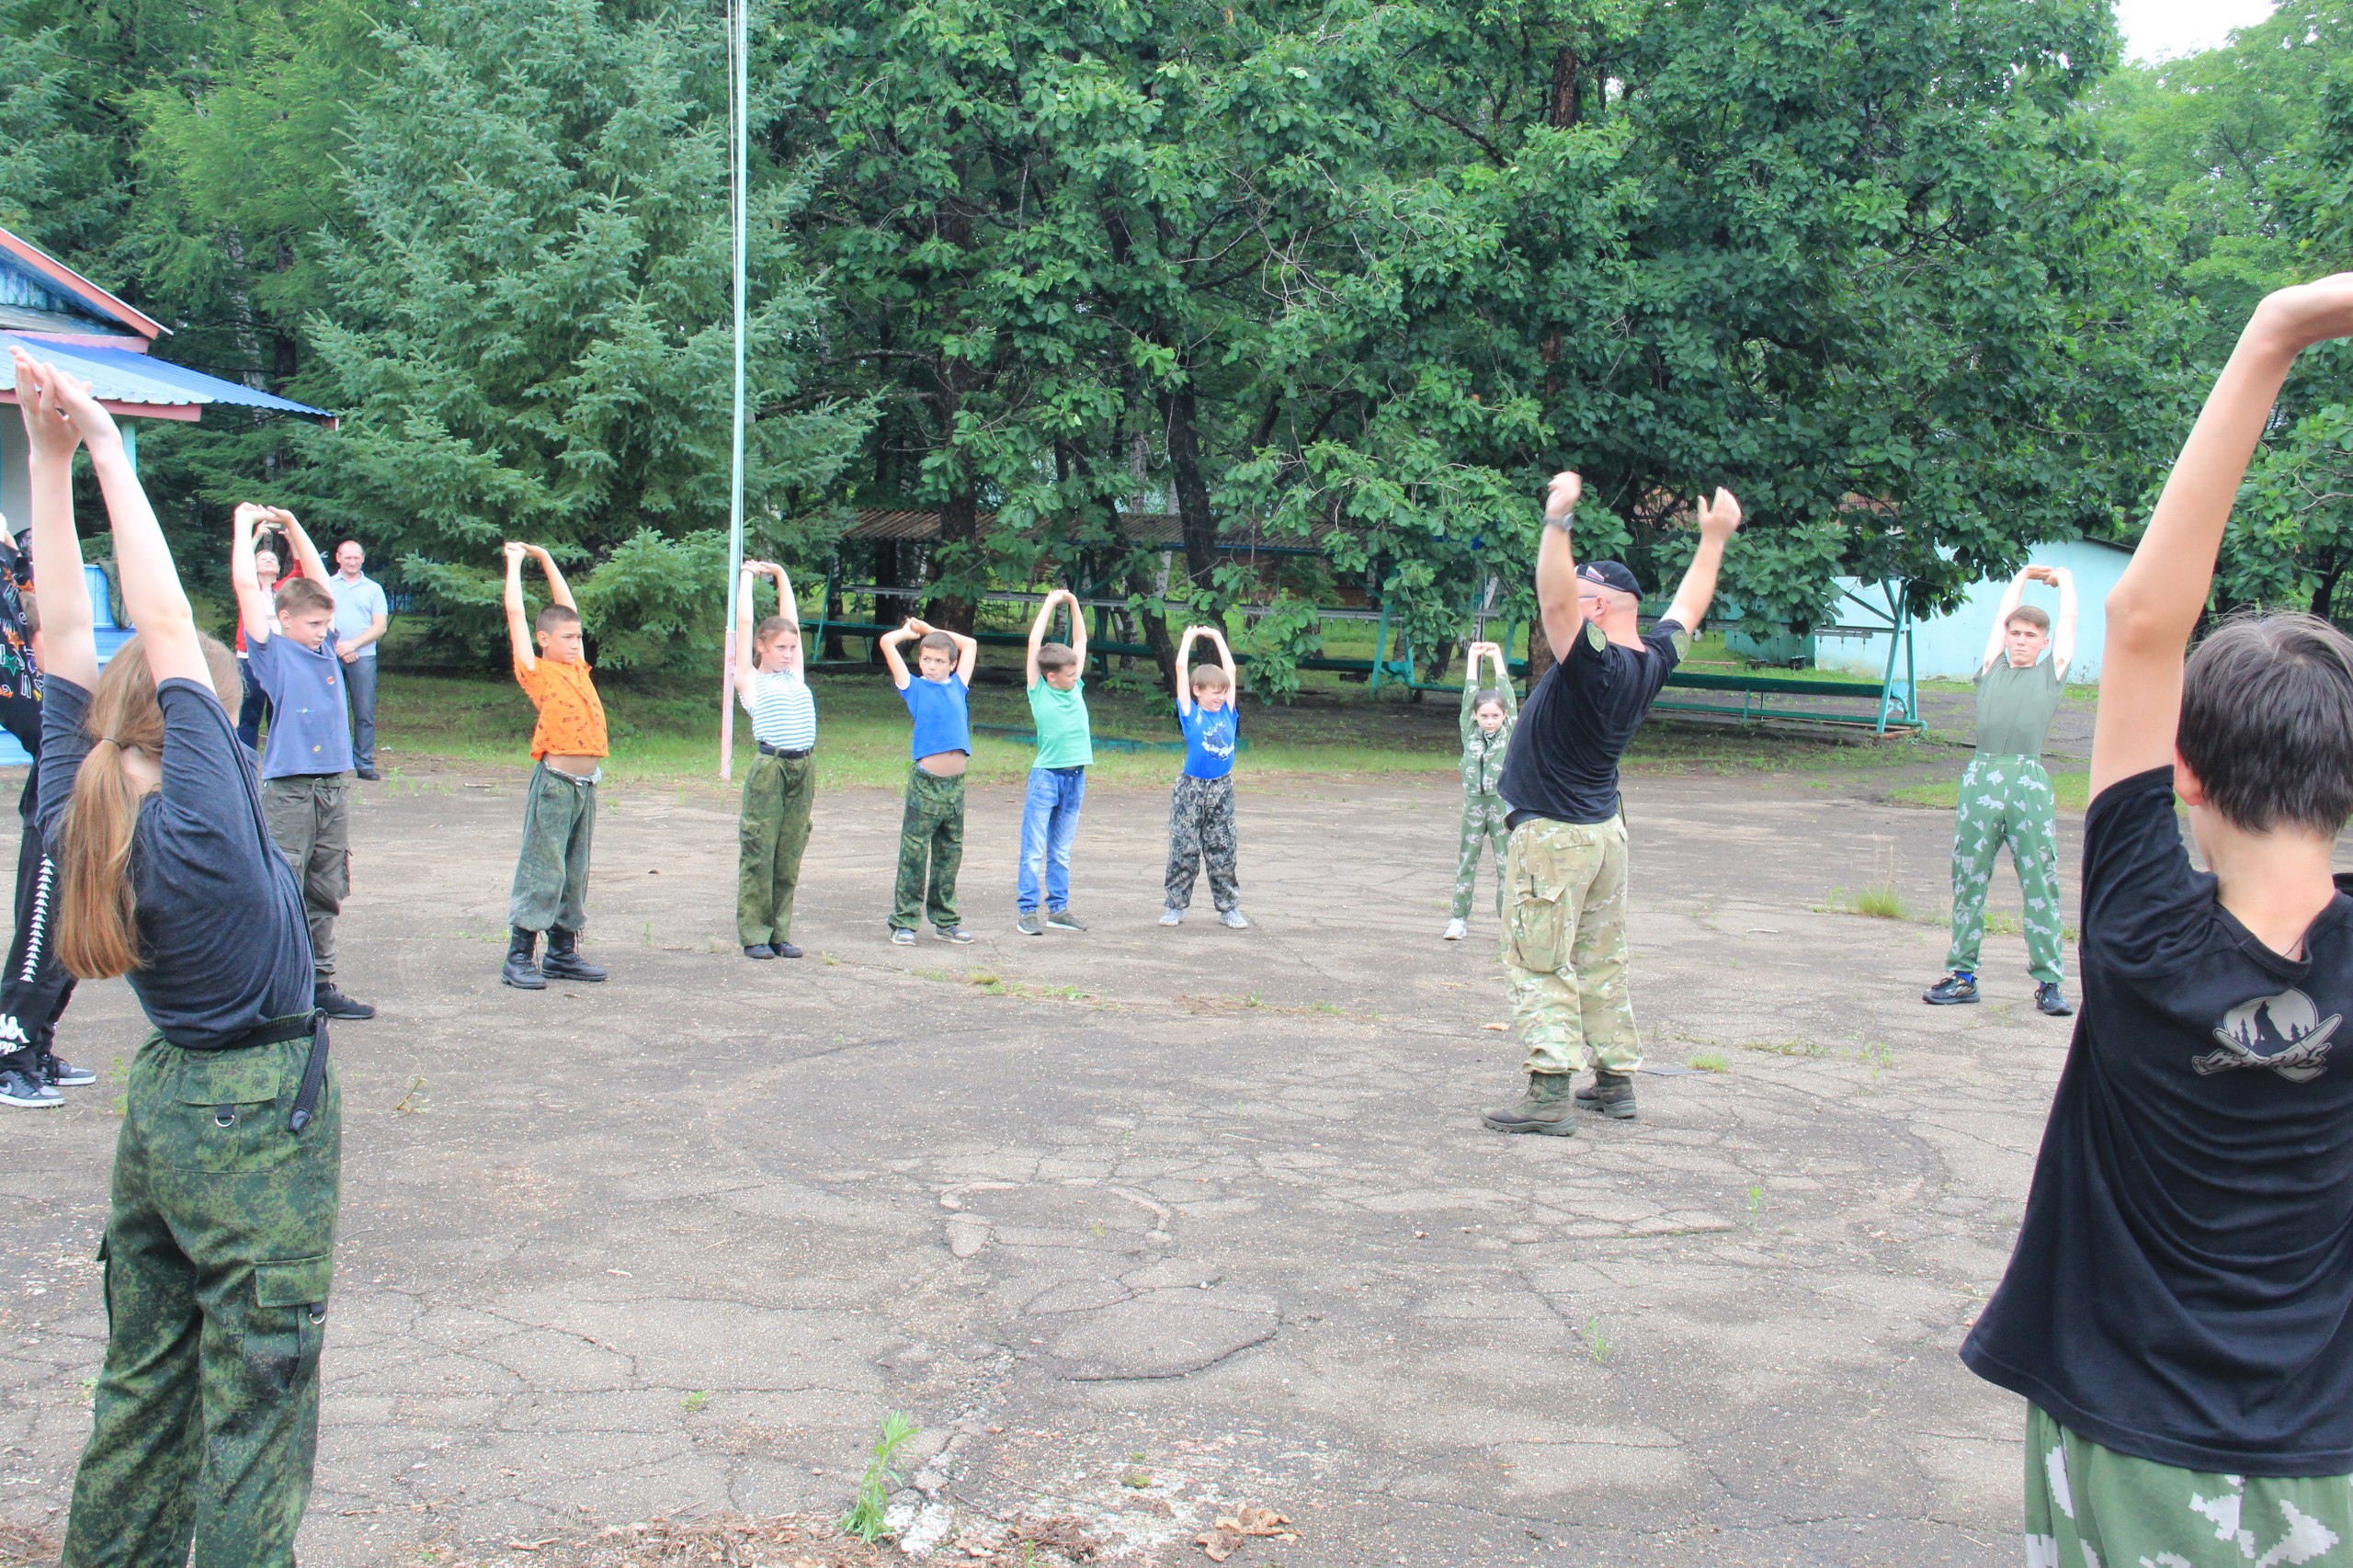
[1058,779]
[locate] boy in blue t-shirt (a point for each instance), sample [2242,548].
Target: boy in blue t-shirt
[931,835]
[306,763]
[1201,810]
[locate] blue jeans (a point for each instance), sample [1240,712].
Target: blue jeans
[1049,822]
[359,680]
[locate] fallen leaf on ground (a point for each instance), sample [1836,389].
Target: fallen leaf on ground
[1230,1531]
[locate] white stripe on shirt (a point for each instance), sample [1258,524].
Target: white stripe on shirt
[784,713]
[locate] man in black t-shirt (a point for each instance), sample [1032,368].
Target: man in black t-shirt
[1565,879]
[2179,1309]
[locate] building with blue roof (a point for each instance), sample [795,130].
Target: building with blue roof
[56,314]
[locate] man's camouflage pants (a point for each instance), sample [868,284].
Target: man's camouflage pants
[1565,946]
[771,837]
[2087,1506]
[219,1252]
[2006,799]
[1483,833]
[1201,834]
[931,851]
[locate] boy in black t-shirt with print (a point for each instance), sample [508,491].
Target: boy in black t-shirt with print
[2179,1309]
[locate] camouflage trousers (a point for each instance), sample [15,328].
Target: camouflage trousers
[774,830]
[2006,799]
[1565,946]
[1483,833]
[551,873]
[2087,1506]
[1201,834]
[931,851]
[219,1250]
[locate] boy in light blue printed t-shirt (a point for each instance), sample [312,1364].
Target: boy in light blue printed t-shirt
[290,648]
[1058,779]
[1201,809]
[931,835]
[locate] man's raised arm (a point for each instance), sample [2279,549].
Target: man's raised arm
[1718,520]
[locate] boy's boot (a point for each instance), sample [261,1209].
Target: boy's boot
[522,967]
[1611,1093]
[1546,1107]
[564,961]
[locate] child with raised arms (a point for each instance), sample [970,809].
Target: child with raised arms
[1201,808]
[1058,778]
[292,653]
[931,833]
[2178,1310]
[220,1234]
[1487,717]
[781,783]
[568,746]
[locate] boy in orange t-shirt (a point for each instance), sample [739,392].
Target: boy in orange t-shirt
[550,889]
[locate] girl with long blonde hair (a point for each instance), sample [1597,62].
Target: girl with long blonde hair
[221,1235]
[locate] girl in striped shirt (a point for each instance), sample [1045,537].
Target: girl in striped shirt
[783,779]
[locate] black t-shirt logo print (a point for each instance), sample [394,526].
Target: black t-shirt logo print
[2285,1033]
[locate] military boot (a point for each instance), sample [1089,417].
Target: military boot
[564,961]
[1611,1093]
[522,967]
[1546,1107]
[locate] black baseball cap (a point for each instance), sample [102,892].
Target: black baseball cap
[1611,574]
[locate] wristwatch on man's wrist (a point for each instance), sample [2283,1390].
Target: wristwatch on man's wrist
[1560,523]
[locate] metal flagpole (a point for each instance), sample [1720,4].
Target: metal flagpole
[739,138]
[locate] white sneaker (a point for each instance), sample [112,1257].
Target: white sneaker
[1232,920]
[1456,930]
[902,937]
[1172,916]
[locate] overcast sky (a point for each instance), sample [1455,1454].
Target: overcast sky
[2157,28]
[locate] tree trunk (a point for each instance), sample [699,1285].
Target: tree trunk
[959,524]
[1565,107]
[1192,491]
[1155,629]
[2325,591]
[1539,652]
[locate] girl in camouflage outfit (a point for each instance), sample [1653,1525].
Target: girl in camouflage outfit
[1488,715]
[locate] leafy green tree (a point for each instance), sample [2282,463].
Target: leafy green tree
[529,335]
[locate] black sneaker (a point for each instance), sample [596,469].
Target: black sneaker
[787,950]
[26,1091]
[2051,1000]
[1063,920]
[369,774]
[759,951]
[61,1073]
[335,1004]
[1953,989]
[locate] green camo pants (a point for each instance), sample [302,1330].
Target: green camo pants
[309,815]
[777,795]
[932,834]
[218,1252]
[1565,946]
[1482,829]
[2006,799]
[2087,1506]
[551,871]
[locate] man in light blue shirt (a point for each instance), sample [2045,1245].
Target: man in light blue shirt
[360,616]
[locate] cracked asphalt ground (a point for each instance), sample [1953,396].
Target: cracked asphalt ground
[1140,1224]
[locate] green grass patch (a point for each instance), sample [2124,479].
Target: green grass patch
[1710,1062]
[2071,788]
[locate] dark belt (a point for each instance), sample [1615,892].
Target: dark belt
[294,1026]
[780,754]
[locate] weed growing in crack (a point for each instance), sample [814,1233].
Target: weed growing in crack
[1596,1343]
[864,1519]
[695,1400]
[1755,1204]
[1710,1062]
